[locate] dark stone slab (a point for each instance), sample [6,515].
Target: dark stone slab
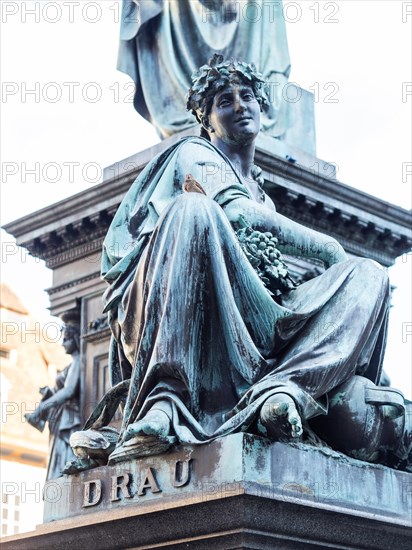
[239,492]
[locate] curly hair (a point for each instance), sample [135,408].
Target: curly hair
[217,74]
[70,330]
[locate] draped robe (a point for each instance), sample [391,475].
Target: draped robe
[193,323]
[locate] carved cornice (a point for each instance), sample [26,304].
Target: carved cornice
[75,212]
[356,234]
[75,240]
[76,252]
[73,283]
[366,226]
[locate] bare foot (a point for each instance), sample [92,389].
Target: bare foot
[280,417]
[156,422]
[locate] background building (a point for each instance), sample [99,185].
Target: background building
[30,355]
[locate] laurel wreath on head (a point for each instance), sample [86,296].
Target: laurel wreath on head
[216,75]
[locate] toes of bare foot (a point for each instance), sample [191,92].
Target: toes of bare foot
[280,417]
[296,427]
[154,423]
[280,408]
[131,431]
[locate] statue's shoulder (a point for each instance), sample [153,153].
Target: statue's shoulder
[188,150]
[196,142]
[205,163]
[197,149]
[190,155]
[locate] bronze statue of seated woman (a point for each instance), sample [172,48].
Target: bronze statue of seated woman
[207,323]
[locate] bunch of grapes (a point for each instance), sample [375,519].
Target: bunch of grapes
[262,252]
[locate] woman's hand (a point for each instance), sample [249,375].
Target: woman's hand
[294,239]
[334,254]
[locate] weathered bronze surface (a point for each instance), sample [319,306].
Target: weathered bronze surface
[162,43]
[210,344]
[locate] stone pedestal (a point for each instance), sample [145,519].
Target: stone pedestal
[238,492]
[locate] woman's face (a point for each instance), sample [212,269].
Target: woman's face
[235,115]
[69,343]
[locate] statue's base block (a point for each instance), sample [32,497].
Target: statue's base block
[237,492]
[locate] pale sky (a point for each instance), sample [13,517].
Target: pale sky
[81,115]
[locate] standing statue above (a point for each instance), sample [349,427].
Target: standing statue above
[163,41]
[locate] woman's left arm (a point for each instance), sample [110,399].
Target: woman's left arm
[294,239]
